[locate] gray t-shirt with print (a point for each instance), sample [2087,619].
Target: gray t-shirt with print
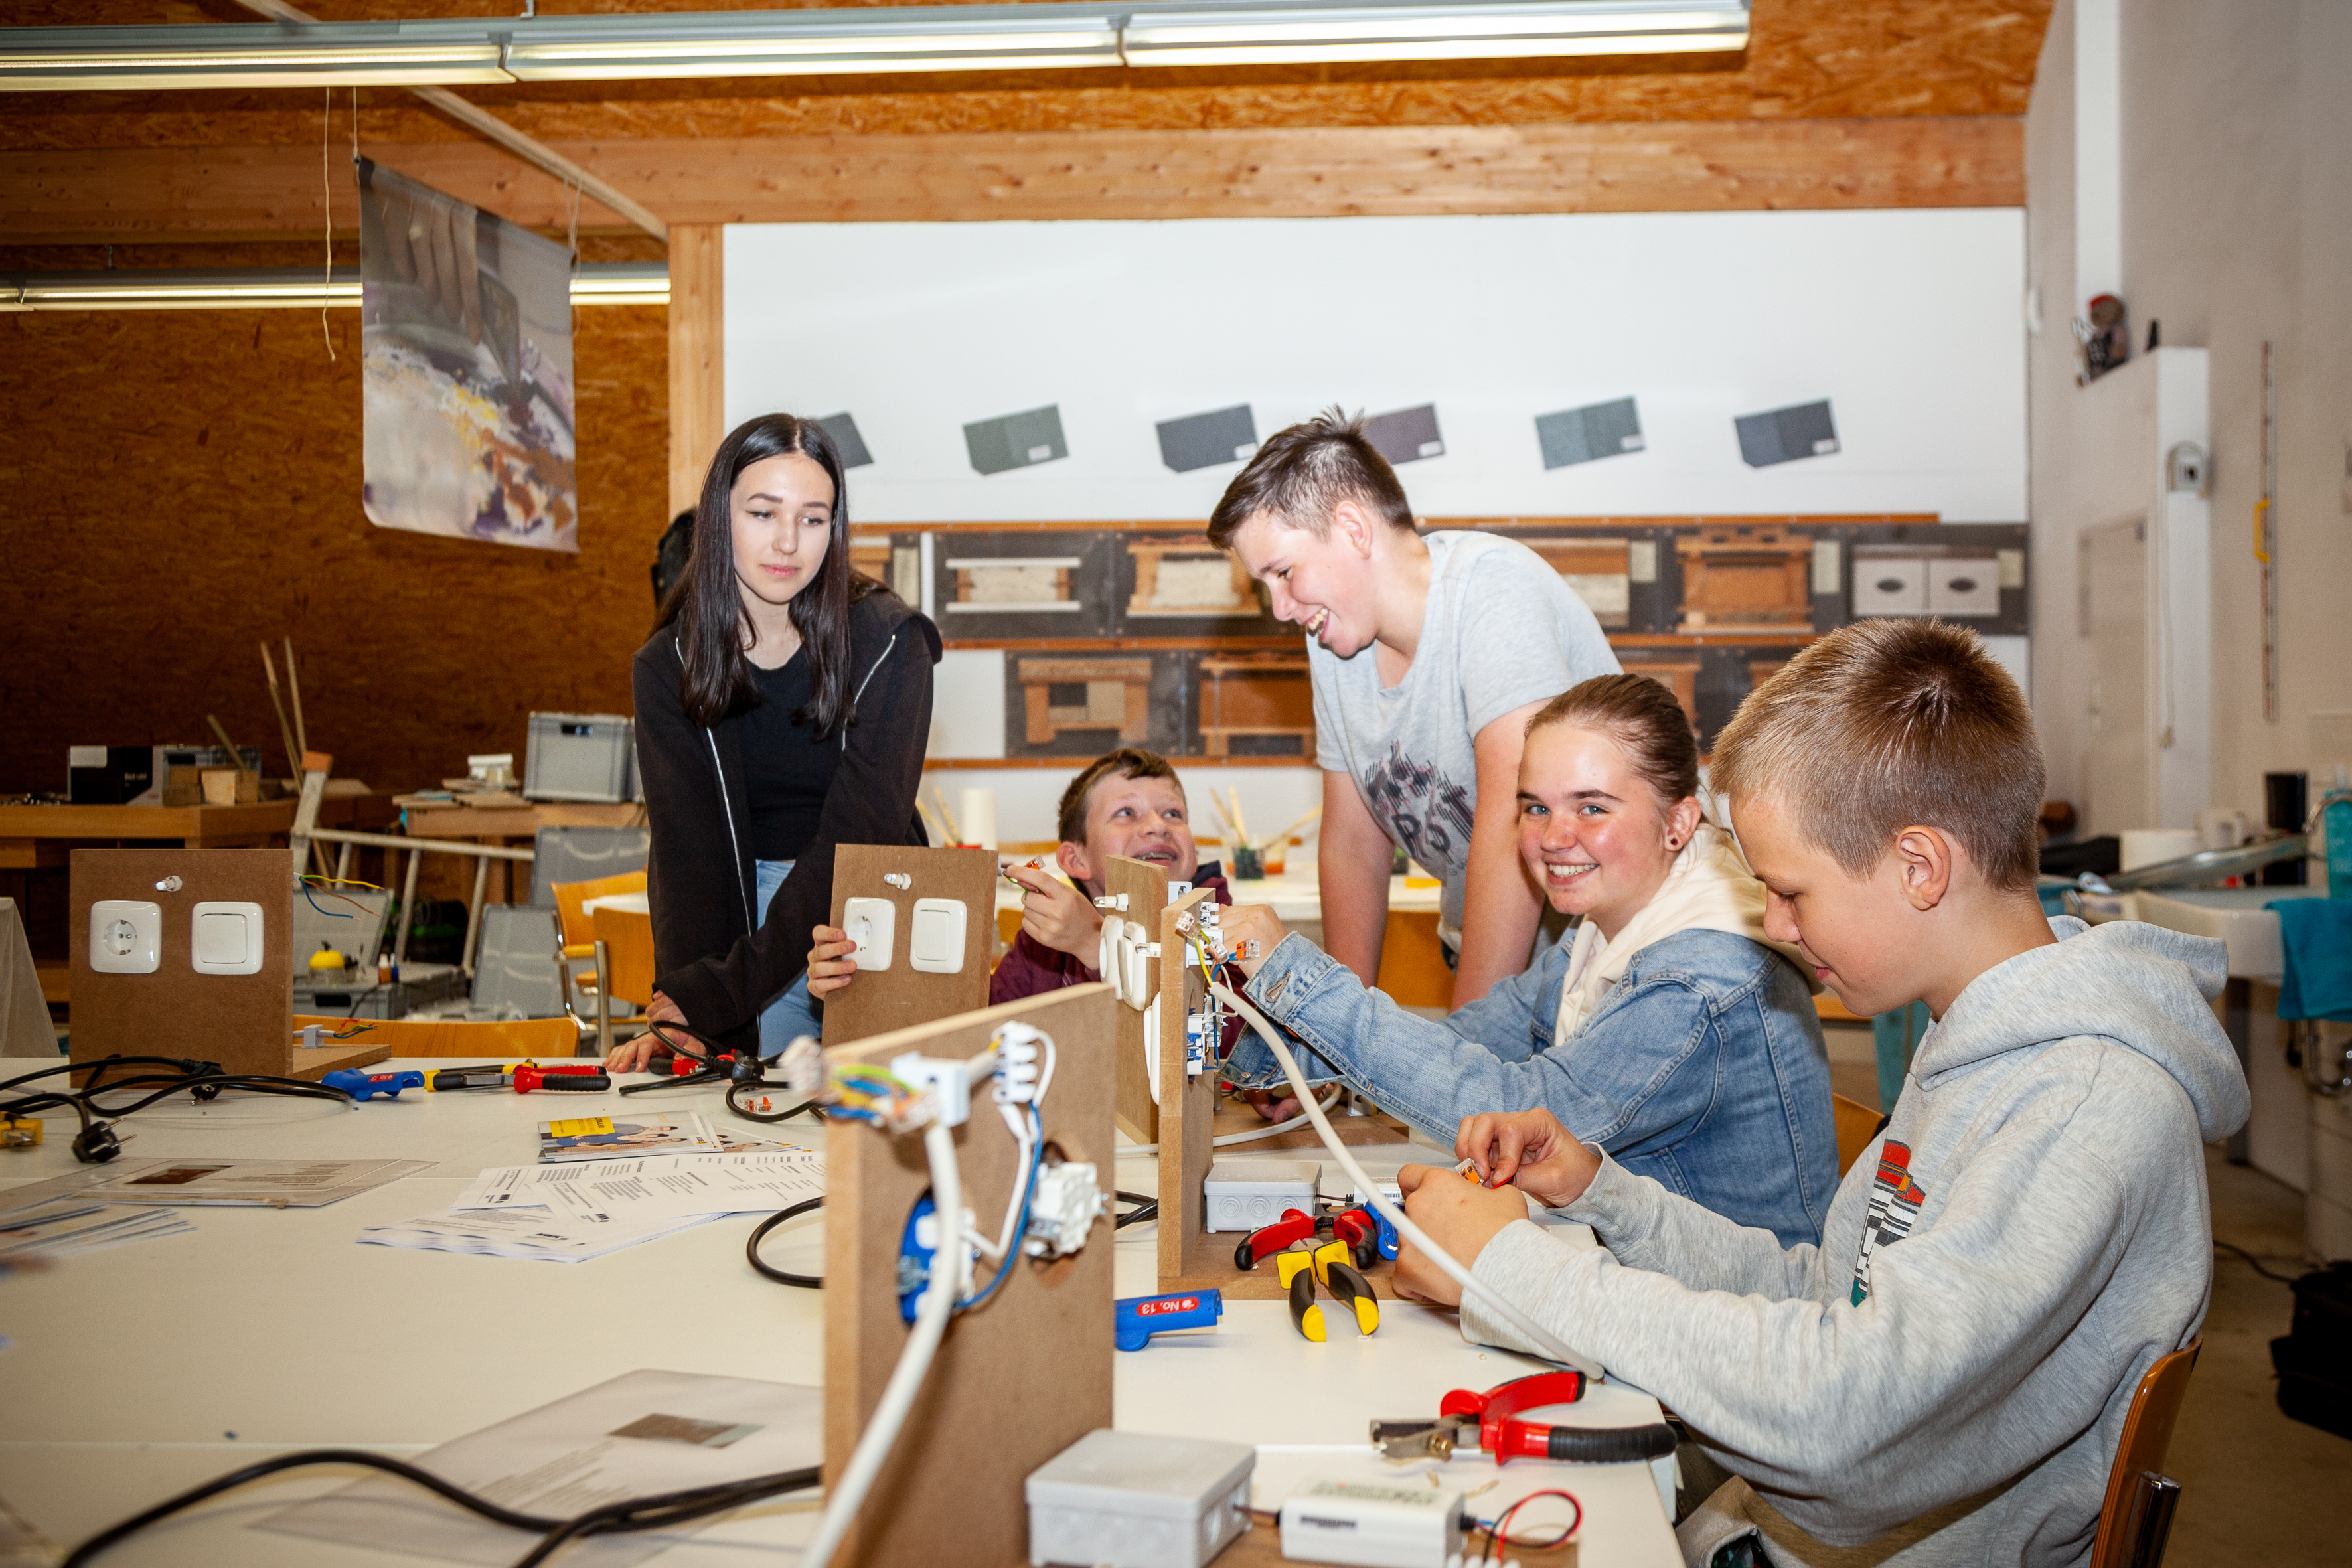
[1502,630]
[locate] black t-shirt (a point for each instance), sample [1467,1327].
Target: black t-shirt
[787,766]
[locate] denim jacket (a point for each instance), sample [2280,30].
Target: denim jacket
[1701,1068]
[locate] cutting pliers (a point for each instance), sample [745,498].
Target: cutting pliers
[1306,1264]
[1468,1418]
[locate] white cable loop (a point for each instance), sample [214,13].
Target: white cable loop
[1253,1135]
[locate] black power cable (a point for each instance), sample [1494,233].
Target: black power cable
[760,1233]
[96,1142]
[1147,1208]
[640,1513]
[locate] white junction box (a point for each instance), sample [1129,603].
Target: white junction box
[126,936]
[1242,1195]
[1378,1524]
[1128,1500]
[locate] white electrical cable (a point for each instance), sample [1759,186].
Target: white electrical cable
[848,1494]
[1548,1343]
[1253,1135]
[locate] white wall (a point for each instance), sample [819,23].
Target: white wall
[1908,320]
[2236,222]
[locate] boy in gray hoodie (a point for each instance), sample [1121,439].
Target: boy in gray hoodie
[1944,1379]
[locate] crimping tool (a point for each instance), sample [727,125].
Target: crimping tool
[1489,1421]
[1358,1228]
[1305,1264]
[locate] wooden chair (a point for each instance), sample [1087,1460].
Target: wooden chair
[1413,971]
[2138,1517]
[500,1041]
[626,959]
[1857,1124]
[575,940]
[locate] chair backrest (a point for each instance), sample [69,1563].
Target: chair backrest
[578,928]
[584,854]
[540,1038]
[1857,1124]
[628,938]
[2148,1433]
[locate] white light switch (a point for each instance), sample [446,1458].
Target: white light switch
[869,923]
[935,936]
[126,936]
[225,937]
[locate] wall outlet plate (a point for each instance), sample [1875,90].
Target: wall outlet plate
[126,936]
[225,937]
[935,936]
[870,923]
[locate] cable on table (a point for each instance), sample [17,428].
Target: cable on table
[760,1234]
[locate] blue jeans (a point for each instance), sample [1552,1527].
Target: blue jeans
[794,1013]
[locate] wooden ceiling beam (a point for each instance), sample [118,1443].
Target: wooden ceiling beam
[160,193]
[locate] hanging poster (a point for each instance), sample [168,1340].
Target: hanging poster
[466,362]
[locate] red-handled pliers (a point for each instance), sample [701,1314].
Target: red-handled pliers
[1490,1420]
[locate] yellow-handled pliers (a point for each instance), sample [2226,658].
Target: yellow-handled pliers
[1305,1264]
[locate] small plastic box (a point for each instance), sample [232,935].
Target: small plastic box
[1242,1195]
[1128,1500]
[581,756]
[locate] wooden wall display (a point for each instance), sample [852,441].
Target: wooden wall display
[902,995]
[1741,578]
[1016,1379]
[1044,584]
[1257,704]
[1078,700]
[1145,888]
[1181,585]
[1598,571]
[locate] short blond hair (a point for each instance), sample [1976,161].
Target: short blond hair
[1887,723]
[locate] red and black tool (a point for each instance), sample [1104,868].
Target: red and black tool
[1489,1421]
[1306,1264]
[1268,1239]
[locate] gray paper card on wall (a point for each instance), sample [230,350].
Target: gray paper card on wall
[843,429]
[1785,435]
[1016,440]
[1595,430]
[1406,436]
[1205,440]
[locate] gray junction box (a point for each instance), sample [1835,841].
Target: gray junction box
[1128,1500]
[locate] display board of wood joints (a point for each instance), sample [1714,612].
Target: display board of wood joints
[1145,888]
[1029,584]
[1060,694]
[1016,1379]
[1189,577]
[1257,696]
[1741,578]
[898,996]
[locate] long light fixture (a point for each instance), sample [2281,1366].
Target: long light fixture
[277,288]
[864,39]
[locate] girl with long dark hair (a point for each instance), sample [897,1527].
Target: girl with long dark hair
[784,705]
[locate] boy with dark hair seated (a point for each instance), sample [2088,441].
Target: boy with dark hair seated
[1125,802]
[1945,1378]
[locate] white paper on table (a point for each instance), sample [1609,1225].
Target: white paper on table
[268,1183]
[665,1187]
[71,1225]
[528,1232]
[565,1458]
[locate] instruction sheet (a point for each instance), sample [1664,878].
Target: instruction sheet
[267,1184]
[663,1187]
[641,1434]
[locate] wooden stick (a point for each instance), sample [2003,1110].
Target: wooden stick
[1239,825]
[1295,827]
[938,832]
[1230,837]
[285,730]
[230,746]
[955,833]
[294,689]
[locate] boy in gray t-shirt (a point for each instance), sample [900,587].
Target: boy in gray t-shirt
[1429,655]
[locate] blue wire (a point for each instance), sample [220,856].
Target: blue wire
[1021,1230]
[338,914]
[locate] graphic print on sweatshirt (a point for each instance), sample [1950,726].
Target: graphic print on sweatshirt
[1423,809]
[1895,1200]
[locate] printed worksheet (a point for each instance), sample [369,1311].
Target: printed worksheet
[665,1187]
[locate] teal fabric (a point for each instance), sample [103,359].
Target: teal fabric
[2316,935]
[1896,1036]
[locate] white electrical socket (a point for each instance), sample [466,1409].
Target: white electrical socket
[225,937]
[935,936]
[870,923]
[1134,988]
[126,936]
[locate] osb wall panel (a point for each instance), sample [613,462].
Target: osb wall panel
[176,486]
[1805,58]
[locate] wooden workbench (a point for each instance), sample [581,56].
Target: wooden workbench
[514,824]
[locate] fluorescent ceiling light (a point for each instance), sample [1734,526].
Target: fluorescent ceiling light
[278,288]
[847,42]
[1259,34]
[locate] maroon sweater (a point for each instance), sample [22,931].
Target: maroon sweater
[1029,968]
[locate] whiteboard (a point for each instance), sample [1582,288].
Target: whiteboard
[1910,322]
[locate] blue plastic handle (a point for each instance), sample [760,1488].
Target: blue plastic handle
[1140,1317]
[367,1086]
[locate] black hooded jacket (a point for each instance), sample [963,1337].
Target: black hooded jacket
[715,955]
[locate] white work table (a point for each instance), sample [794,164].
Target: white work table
[136,1372]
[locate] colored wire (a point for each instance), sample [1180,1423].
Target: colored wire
[346,882]
[760,1234]
[1500,1529]
[330,914]
[1019,1228]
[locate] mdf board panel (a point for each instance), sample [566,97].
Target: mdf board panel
[903,995]
[1016,1379]
[1144,886]
[243,1022]
[1187,1107]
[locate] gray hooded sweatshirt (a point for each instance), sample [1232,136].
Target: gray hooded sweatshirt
[1944,1379]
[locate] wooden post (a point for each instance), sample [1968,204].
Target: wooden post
[1017,1379]
[698,403]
